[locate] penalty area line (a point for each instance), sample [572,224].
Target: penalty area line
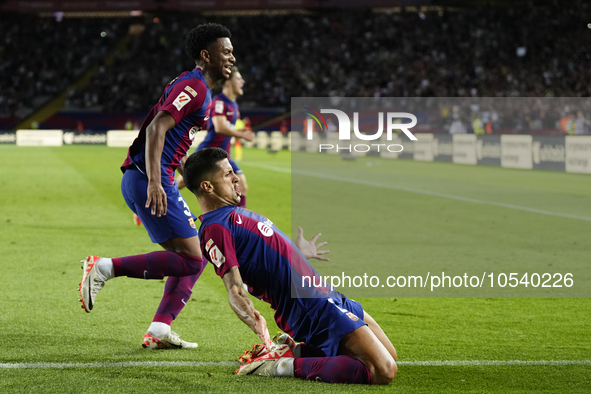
[169,364]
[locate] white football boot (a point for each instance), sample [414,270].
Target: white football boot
[92,282]
[169,341]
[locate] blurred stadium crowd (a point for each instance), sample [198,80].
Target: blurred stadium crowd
[521,51]
[41,56]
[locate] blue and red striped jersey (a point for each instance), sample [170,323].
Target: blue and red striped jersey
[221,106]
[272,267]
[186,98]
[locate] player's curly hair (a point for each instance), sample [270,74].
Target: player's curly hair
[202,37]
[200,166]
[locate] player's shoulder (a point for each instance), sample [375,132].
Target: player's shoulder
[197,83]
[250,214]
[192,82]
[216,218]
[222,99]
[219,104]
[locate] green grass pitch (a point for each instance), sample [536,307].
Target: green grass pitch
[58,205]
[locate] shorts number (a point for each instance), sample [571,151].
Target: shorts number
[186,211]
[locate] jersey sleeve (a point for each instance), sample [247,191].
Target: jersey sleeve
[184,98]
[218,107]
[217,245]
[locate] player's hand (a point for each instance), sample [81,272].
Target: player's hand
[261,330]
[248,135]
[156,199]
[309,248]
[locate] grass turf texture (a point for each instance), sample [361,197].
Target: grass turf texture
[59,204]
[393,217]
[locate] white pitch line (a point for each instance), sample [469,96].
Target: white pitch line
[430,363]
[120,364]
[470,363]
[266,167]
[421,191]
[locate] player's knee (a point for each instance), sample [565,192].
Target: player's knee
[385,372]
[195,264]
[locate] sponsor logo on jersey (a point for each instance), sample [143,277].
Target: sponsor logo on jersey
[193,133]
[208,244]
[265,229]
[231,113]
[239,221]
[352,316]
[206,118]
[191,90]
[192,223]
[219,107]
[181,100]
[216,256]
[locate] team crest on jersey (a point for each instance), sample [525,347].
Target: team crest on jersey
[191,90]
[181,100]
[216,256]
[192,223]
[208,244]
[265,228]
[219,107]
[352,316]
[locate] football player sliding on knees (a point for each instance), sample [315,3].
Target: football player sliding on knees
[328,337]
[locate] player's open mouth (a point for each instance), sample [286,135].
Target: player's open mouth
[228,69]
[237,190]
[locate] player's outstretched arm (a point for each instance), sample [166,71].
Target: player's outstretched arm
[155,133]
[243,306]
[309,248]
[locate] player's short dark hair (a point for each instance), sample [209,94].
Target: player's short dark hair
[202,37]
[200,166]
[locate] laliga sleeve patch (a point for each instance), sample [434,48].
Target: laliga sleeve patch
[181,100]
[219,107]
[191,90]
[208,244]
[216,256]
